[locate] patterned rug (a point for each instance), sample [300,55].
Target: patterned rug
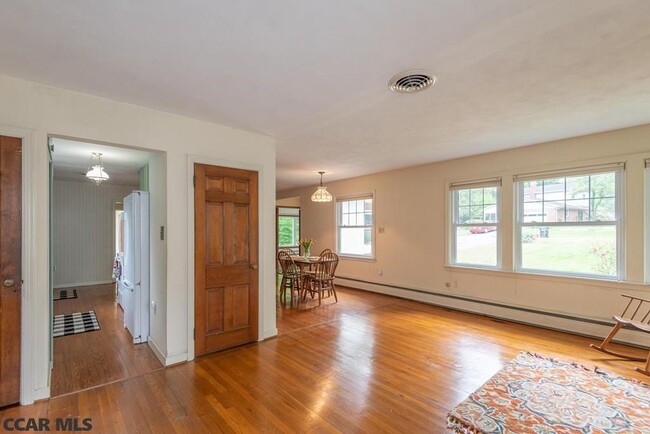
[536,394]
[74,323]
[64,294]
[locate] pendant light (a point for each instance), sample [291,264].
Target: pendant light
[96,171]
[321,194]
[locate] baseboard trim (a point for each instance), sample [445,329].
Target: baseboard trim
[588,327]
[175,359]
[36,395]
[156,351]
[68,285]
[269,333]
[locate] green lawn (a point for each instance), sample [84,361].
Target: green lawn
[574,250]
[584,250]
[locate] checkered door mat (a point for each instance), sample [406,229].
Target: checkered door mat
[73,323]
[64,294]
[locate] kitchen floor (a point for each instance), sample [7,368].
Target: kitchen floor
[91,359]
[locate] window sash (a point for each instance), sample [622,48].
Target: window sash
[454,189]
[617,169]
[340,227]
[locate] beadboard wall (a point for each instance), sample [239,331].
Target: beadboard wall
[83,231]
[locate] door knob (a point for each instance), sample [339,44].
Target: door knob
[254,266]
[8,283]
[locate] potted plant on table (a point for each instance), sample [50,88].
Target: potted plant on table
[306,244]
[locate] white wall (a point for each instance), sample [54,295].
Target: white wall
[158,253]
[411,204]
[36,111]
[84,235]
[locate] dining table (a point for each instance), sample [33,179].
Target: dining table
[305,262]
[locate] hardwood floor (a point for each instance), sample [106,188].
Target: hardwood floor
[94,358]
[368,363]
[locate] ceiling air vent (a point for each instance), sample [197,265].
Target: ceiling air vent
[411,81]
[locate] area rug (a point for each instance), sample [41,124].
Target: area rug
[74,323]
[64,294]
[537,394]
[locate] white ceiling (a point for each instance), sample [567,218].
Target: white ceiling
[71,160]
[313,74]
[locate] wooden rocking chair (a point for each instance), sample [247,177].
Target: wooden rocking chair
[638,318]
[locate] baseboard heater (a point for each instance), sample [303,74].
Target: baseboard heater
[587,327]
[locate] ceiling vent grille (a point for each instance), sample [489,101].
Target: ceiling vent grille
[411,82]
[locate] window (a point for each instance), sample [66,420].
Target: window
[475,235]
[569,222]
[355,226]
[288,228]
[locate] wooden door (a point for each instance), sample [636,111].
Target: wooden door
[225,244]
[10,268]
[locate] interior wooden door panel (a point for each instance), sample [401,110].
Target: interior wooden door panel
[10,268]
[226,250]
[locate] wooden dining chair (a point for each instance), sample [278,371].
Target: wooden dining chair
[324,251]
[635,316]
[321,279]
[291,275]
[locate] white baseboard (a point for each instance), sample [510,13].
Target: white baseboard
[156,350]
[36,395]
[68,285]
[549,320]
[269,333]
[176,358]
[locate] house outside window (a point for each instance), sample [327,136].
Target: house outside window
[475,238]
[569,222]
[355,226]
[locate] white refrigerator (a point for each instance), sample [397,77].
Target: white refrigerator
[135,276]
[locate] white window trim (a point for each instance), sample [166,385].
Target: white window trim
[619,170]
[466,185]
[372,229]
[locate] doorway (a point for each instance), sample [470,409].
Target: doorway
[91,345]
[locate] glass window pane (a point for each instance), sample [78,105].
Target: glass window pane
[344,207]
[352,242]
[476,196]
[589,250]
[288,231]
[603,209]
[476,248]
[463,197]
[532,191]
[578,187]
[603,185]
[490,196]
[476,214]
[534,212]
[463,215]
[553,189]
[577,210]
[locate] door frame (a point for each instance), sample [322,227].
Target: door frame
[263,247]
[34,380]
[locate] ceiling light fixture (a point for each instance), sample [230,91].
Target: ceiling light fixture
[321,194]
[96,171]
[411,81]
